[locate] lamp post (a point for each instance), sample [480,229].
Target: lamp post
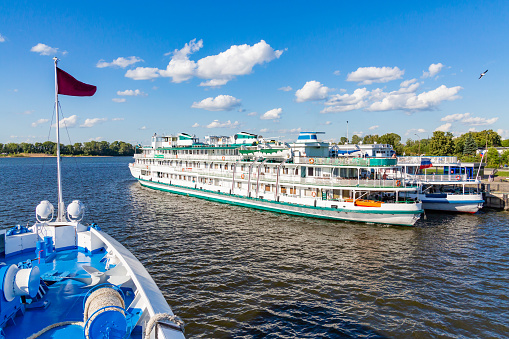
[419,143]
[347,132]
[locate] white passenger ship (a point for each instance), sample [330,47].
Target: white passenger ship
[299,178]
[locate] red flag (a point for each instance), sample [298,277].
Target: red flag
[67,85]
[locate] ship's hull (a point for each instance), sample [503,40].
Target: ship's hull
[404,214]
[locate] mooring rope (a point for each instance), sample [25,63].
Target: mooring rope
[163,316]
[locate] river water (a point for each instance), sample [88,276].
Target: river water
[233,272]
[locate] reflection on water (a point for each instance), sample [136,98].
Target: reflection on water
[235,272]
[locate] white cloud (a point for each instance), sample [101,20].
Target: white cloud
[285,89]
[117,119]
[2,38]
[373,127]
[38,122]
[43,49]
[95,139]
[272,114]
[237,60]
[415,130]
[143,128]
[118,99]
[503,133]
[216,69]
[119,62]
[180,68]
[27,112]
[142,73]
[359,134]
[252,114]
[69,122]
[93,122]
[227,124]
[130,92]
[312,91]
[433,69]
[400,100]
[219,103]
[196,125]
[347,102]
[264,130]
[214,83]
[407,83]
[328,123]
[336,73]
[369,75]
[468,119]
[444,128]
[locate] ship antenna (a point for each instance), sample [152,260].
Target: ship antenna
[61,206]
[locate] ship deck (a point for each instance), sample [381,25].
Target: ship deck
[64,298]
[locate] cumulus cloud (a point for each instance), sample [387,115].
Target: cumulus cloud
[373,127]
[252,114]
[400,100]
[285,89]
[27,112]
[38,122]
[369,75]
[336,73]
[117,119]
[227,124]
[216,69]
[312,91]
[143,73]
[130,92]
[196,125]
[328,123]
[119,62]
[444,128]
[2,38]
[264,130]
[347,102]
[180,67]
[95,139]
[219,103]
[273,114]
[69,122]
[407,83]
[468,119]
[433,70]
[503,133]
[118,99]
[93,122]
[43,49]
[143,128]
[415,130]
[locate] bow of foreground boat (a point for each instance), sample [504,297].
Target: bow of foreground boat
[63,279]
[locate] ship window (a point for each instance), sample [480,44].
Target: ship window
[318,172]
[310,171]
[296,171]
[285,170]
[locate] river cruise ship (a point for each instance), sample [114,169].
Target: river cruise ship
[299,178]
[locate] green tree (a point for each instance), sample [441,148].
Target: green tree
[505,143]
[441,144]
[370,139]
[392,139]
[469,146]
[343,140]
[356,139]
[504,158]
[493,158]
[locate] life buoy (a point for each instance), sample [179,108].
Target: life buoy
[458,178]
[222,158]
[311,161]
[242,176]
[313,194]
[176,156]
[183,170]
[398,183]
[147,167]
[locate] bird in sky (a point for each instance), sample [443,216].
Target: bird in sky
[483,74]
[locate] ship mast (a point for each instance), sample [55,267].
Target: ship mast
[61,206]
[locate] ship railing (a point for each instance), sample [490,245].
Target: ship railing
[435,160]
[437,178]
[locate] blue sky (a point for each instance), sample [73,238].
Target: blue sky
[270,68]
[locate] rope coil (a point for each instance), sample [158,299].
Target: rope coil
[163,316]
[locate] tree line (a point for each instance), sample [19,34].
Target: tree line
[103,148]
[444,144]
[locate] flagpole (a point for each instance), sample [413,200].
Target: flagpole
[60,215]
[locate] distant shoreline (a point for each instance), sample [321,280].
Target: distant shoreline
[43,155]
